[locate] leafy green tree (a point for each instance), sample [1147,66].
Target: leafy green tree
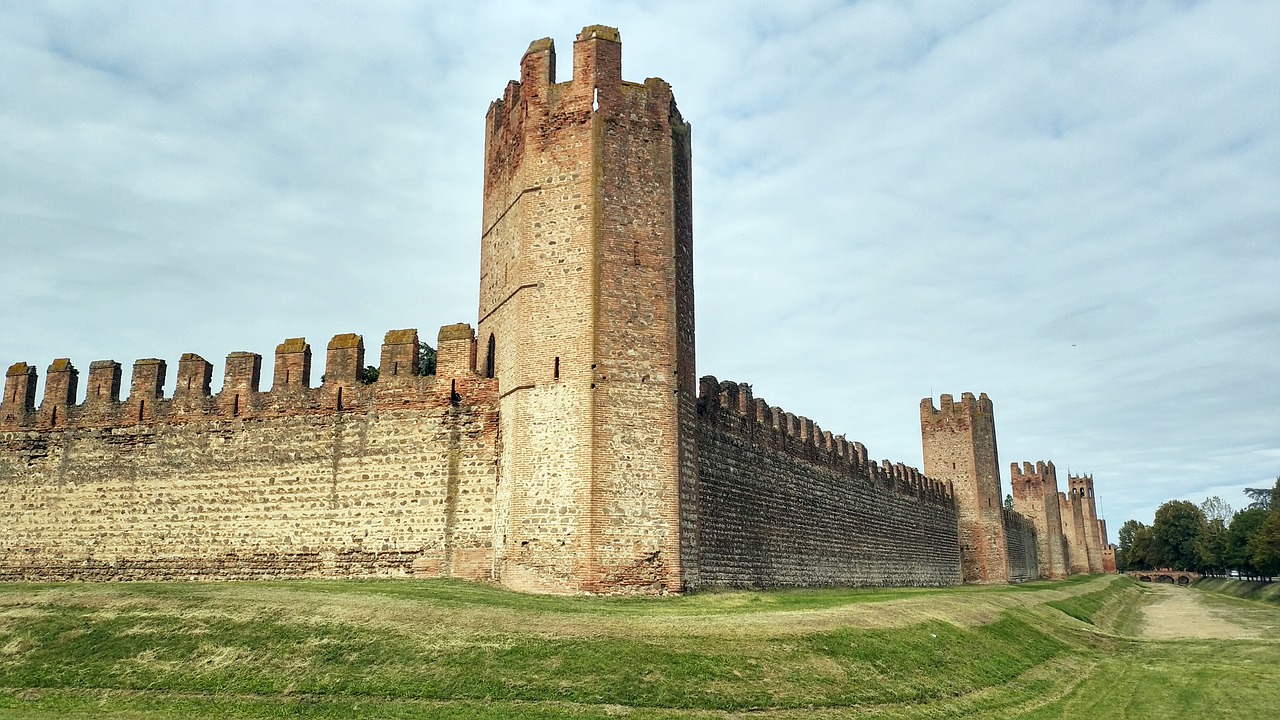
[369,375]
[1212,548]
[1265,545]
[1215,508]
[426,359]
[1244,526]
[1008,502]
[1264,498]
[1178,527]
[1142,551]
[1124,549]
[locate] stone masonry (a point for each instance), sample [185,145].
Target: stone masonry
[564,446]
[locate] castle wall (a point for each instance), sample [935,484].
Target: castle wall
[1021,549]
[1109,559]
[784,503]
[394,478]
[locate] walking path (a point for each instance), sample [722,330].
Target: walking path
[1184,613]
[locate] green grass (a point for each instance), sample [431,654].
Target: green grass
[441,649]
[1244,589]
[1085,606]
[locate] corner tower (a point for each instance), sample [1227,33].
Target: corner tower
[586,320]
[960,447]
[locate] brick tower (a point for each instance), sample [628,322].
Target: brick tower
[960,447]
[1081,486]
[1073,530]
[586,320]
[1035,495]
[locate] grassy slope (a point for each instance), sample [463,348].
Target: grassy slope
[446,649]
[1244,589]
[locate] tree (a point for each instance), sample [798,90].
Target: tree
[1178,527]
[1214,508]
[369,375]
[1127,531]
[1008,502]
[1142,552]
[1212,548]
[1264,498]
[1244,526]
[1264,546]
[426,359]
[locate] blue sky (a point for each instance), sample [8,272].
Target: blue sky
[1073,207]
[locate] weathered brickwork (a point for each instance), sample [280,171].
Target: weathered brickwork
[587,293]
[785,503]
[1021,546]
[563,447]
[1081,487]
[388,479]
[1035,496]
[1073,529]
[960,448]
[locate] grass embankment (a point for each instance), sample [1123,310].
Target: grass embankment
[1268,592]
[405,649]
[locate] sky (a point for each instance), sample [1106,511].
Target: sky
[1073,207]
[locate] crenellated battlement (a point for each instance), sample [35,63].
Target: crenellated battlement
[967,410]
[536,102]
[1036,475]
[398,385]
[1080,485]
[733,405]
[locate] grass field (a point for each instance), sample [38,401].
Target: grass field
[441,649]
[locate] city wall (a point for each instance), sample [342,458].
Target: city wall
[1021,549]
[784,503]
[392,478]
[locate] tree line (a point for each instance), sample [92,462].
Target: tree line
[1208,538]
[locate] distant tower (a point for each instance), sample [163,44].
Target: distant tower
[960,447]
[586,320]
[1081,486]
[1035,495]
[1073,529]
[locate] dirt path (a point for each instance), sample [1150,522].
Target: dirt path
[1183,613]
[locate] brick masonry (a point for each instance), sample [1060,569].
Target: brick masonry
[1035,496]
[785,503]
[395,478]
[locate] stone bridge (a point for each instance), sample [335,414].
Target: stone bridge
[1182,578]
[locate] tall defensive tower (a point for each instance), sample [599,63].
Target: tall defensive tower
[1081,486]
[586,320]
[960,447]
[1035,495]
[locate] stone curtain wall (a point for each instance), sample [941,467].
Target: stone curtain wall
[390,479]
[784,503]
[1021,550]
